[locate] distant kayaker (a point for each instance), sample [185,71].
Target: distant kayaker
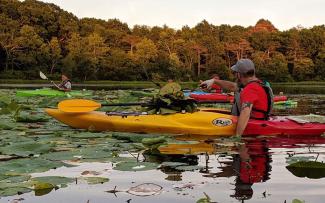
[65,84]
[253,98]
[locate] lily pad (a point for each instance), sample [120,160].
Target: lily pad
[26,148]
[84,153]
[26,117]
[86,135]
[149,142]
[15,178]
[189,168]
[10,191]
[145,189]
[135,166]
[309,169]
[56,181]
[297,201]
[34,165]
[96,180]
[294,159]
[5,125]
[132,137]
[172,164]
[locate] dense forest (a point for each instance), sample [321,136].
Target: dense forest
[40,36]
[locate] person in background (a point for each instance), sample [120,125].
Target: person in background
[253,98]
[65,84]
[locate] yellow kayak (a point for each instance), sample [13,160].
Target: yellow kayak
[198,123]
[204,122]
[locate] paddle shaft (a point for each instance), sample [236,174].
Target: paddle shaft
[148,104]
[127,104]
[44,77]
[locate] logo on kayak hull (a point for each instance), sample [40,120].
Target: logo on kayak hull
[222,122]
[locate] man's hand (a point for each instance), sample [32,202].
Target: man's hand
[207,83]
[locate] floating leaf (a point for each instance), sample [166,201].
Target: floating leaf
[5,125]
[10,191]
[297,201]
[188,168]
[135,166]
[30,118]
[172,164]
[294,159]
[43,186]
[26,148]
[91,173]
[86,135]
[309,169]
[149,142]
[15,178]
[34,165]
[145,189]
[55,181]
[132,137]
[96,180]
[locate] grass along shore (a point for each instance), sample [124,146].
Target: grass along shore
[304,87]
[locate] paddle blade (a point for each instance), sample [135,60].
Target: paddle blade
[42,75]
[78,105]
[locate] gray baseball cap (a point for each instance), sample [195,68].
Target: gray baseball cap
[243,66]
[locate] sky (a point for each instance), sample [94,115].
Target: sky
[284,14]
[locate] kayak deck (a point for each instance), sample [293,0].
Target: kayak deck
[205,122]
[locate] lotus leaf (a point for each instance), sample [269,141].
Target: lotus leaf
[90,153]
[46,181]
[309,169]
[15,178]
[132,137]
[297,201]
[294,159]
[26,117]
[188,168]
[5,125]
[172,164]
[10,191]
[145,189]
[96,180]
[86,135]
[135,166]
[26,148]
[33,165]
[153,141]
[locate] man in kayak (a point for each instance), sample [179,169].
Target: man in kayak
[65,84]
[253,98]
[214,88]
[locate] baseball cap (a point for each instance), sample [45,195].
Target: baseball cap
[243,66]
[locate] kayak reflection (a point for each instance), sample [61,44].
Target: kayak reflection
[249,162]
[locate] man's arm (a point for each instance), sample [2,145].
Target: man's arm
[243,118]
[224,84]
[231,86]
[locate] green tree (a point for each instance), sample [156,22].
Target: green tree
[54,53]
[146,52]
[303,69]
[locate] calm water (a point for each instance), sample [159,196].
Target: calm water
[252,172]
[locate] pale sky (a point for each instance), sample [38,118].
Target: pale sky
[284,14]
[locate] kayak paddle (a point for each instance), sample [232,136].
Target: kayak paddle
[83,105]
[43,76]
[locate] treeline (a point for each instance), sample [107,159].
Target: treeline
[40,36]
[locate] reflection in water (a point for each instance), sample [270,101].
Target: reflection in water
[250,161]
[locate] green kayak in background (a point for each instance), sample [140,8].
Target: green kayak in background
[47,92]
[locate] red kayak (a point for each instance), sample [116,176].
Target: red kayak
[225,98]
